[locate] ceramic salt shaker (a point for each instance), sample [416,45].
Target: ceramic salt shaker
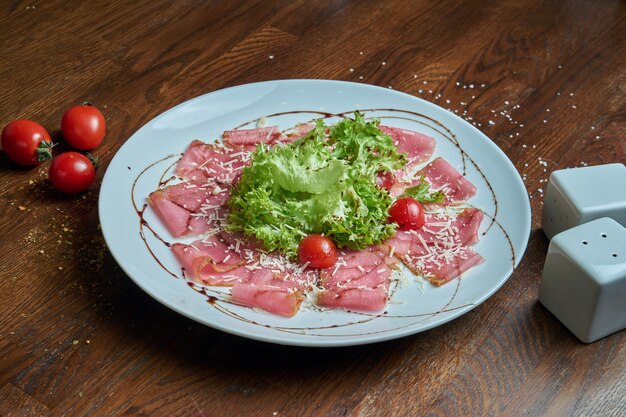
[578,195]
[584,279]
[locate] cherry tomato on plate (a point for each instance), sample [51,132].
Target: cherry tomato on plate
[319,251]
[83,127]
[408,213]
[71,172]
[26,142]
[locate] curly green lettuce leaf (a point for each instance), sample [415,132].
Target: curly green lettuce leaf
[421,193]
[324,183]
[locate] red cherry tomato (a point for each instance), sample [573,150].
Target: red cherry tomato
[319,251]
[26,142]
[408,213]
[83,127]
[71,172]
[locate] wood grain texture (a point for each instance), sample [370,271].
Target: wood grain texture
[545,80]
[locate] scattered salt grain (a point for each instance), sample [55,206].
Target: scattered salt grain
[271,56]
[491,122]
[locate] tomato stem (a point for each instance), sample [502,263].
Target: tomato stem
[44,151]
[94,160]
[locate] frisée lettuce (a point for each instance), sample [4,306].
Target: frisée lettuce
[325,182]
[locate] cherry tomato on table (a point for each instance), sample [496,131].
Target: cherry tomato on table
[71,172]
[26,142]
[83,127]
[319,251]
[408,213]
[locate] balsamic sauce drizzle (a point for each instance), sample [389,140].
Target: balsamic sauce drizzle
[219,300]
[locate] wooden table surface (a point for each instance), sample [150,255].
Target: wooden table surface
[78,337]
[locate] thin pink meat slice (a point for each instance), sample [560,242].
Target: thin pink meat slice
[174,217]
[209,163]
[231,260]
[443,266]
[190,209]
[457,229]
[418,147]
[439,251]
[443,176]
[276,293]
[358,282]
[250,138]
[211,262]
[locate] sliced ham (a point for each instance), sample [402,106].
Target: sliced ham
[198,204]
[211,262]
[358,282]
[250,138]
[275,284]
[174,217]
[277,292]
[454,228]
[418,147]
[190,209]
[203,162]
[442,266]
[258,279]
[442,176]
[439,250]
[267,297]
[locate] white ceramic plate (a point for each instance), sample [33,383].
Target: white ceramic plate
[412,308]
